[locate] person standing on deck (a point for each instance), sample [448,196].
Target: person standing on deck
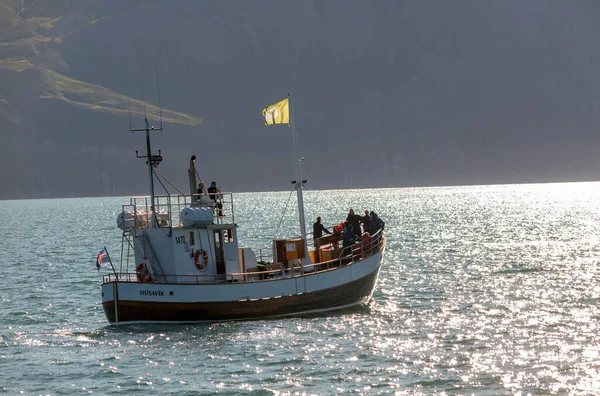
[200,192]
[366,221]
[354,221]
[318,230]
[349,240]
[213,191]
[376,223]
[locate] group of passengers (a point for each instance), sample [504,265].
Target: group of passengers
[214,195]
[351,230]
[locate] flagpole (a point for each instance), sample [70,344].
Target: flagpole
[298,173]
[111,264]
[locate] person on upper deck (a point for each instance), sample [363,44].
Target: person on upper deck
[318,230]
[213,191]
[200,192]
[354,221]
[202,196]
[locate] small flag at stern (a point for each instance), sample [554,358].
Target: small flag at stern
[102,258]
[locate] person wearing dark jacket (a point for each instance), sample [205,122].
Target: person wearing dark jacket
[354,221]
[376,223]
[318,230]
[212,193]
[349,240]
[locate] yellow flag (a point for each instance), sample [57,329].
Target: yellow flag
[277,113]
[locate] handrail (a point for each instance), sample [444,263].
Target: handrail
[357,254]
[264,257]
[168,208]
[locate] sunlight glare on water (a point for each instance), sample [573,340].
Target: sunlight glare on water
[484,290]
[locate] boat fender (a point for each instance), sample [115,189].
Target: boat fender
[201,264]
[143,274]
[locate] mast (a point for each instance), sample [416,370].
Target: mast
[298,182]
[152,161]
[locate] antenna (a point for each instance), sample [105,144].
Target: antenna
[144,93]
[152,160]
[129,105]
[158,87]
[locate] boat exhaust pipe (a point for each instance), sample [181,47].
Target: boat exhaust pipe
[192,176]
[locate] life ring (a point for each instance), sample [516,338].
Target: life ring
[143,274]
[201,264]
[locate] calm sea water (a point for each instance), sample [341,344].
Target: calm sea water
[484,290]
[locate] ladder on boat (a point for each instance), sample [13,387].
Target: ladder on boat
[152,260]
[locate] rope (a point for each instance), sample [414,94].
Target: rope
[159,175]
[283,214]
[163,186]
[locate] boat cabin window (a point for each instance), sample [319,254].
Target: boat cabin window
[191,238]
[218,240]
[227,236]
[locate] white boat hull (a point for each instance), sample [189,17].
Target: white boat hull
[338,288]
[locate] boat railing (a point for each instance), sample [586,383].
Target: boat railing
[169,207]
[356,252]
[351,255]
[264,254]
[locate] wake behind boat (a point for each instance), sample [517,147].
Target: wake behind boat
[181,260]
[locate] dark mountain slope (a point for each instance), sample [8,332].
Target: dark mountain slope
[386,93]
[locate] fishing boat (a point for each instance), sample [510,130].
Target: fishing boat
[181,261]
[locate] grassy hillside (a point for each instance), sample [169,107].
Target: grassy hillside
[58,131]
[31,38]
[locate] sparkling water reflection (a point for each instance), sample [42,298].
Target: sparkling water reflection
[484,290]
